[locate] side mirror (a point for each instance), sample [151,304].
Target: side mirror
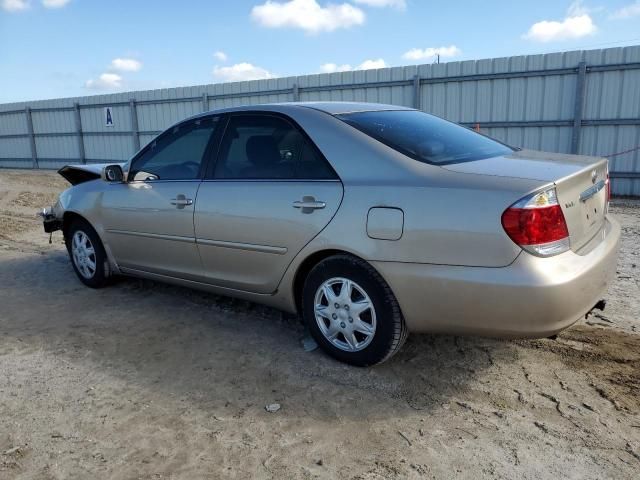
[113,173]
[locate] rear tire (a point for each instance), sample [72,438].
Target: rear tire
[351,311]
[87,254]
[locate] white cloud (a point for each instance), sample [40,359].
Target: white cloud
[240,72]
[125,65]
[371,64]
[307,15]
[333,67]
[577,24]
[54,3]
[18,5]
[400,4]
[366,65]
[220,55]
[106,81]
[110,80]
[628,11]
[430,53]
[15,5]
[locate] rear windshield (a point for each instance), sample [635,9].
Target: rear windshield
[424,137]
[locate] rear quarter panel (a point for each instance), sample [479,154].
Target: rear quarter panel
[442,225]
[447,222]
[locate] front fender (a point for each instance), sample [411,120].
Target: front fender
[83,200]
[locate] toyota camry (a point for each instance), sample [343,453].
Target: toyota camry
[369,221]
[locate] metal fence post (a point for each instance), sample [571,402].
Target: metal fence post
[296,92]
[416,92]
[205,102]
[578,106]
[135,133]
[32,137]
[78,120]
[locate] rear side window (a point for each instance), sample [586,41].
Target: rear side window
[425,137]
[268,147]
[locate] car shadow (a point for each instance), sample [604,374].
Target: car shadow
[220,354]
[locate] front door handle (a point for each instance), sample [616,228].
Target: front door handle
[181,201]
[308,204]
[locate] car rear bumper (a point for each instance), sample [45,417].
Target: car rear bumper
[532,297]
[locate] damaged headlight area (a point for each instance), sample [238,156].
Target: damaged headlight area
[51,221]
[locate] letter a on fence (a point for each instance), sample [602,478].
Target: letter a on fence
[108,117]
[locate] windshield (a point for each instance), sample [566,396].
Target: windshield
[424,137]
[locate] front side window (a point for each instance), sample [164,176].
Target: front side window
[268,147]
[175,155]
[425,137]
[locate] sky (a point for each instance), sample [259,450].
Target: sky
[65,48]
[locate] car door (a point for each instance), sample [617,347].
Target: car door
[148,220]
[268,194]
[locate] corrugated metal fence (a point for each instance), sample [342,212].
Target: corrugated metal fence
[584,102]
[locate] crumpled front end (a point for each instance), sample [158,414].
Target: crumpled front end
[52,217]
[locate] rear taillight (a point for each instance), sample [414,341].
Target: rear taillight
[536,223]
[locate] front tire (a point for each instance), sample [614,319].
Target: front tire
[87,254]
[351,311]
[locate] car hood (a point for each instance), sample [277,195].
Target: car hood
[529,164]
[76,174]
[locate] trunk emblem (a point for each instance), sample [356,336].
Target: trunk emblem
[594,176]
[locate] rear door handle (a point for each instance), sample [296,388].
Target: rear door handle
[181,201]
[309,204]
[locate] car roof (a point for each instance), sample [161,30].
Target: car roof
[336,108]
[332,108]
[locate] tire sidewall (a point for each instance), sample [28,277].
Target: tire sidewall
[351,269]
[99,277]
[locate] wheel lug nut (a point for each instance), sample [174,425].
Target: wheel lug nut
[334,316]
[350,320]
[336,305]
[342,325]
[346,307]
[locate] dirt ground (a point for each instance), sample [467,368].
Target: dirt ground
[143,380]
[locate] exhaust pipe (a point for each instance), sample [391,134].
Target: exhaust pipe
[598,306]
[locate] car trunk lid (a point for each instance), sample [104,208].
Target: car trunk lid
[584,201]
[580,181]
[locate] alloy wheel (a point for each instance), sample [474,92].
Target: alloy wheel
[84,255]
[345,314]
